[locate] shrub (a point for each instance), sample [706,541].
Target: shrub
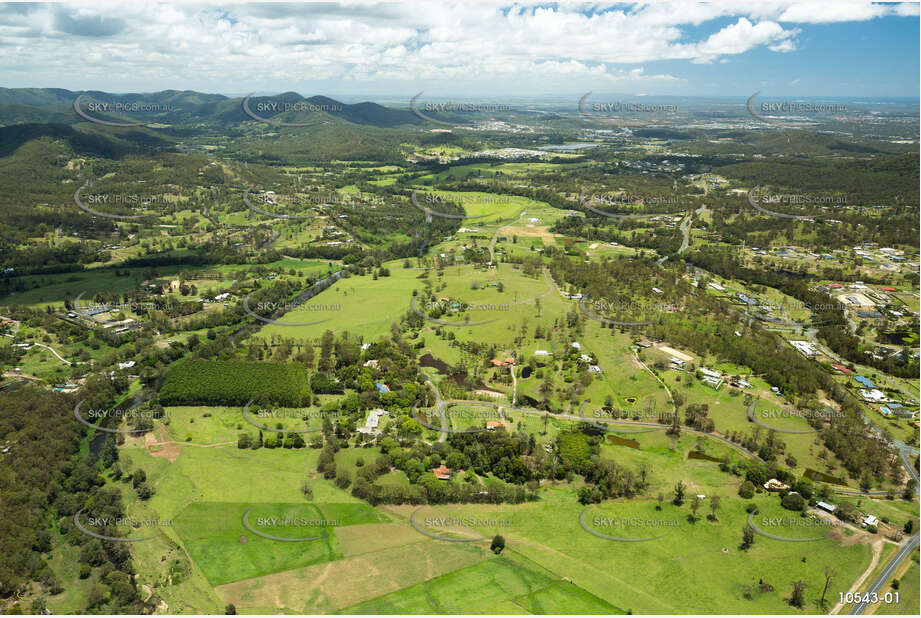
[747,489]
[793,501]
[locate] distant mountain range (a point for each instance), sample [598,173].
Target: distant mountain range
[56,105]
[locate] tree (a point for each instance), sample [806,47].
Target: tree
[144,491]
[343,478]
[498,544]
[695,506]
[747,489]
[679,494]
[829,574]
[793,501]
[714,507]
[909,493]
[798,597]
[230,609]
[748,537]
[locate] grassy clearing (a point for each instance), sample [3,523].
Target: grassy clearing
[489,587]
[217,540]
[333,586]
[908,594]
[682,562]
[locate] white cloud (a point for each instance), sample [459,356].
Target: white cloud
[832,12]
[244,47]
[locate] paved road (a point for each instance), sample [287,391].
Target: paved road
[911,468]
[905,550]
[47,347]
[50,349]
[440,405]
[492,243]
[686,232]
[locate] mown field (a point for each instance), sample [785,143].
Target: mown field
[505,584]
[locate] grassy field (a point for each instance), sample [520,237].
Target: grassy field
[909,603]
[503,584]
[219,424]
[682,562]
[374,561]
[366,307]
[216,539]
[53,289]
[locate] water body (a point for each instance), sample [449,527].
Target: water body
[573,147]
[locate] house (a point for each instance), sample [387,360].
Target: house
[372,423]
[874,395]
[127,365]
[585,358]
[746,299]
[869,520]
[717,287]
[897,410]
[576,345]
[541,353]
[830,508]
[775,485]
[710,373]
[491,425]
[677,362]
[594,369]
[841,368]
[805,348]
[382,388]
[442,473]
[657,291]
[865,381]
[714,382]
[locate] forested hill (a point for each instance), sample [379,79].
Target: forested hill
[18,105]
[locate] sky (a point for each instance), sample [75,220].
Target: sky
[835,48]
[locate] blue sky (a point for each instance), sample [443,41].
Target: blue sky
[868,58]
[487,49]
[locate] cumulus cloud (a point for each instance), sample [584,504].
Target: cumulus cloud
[271,47]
